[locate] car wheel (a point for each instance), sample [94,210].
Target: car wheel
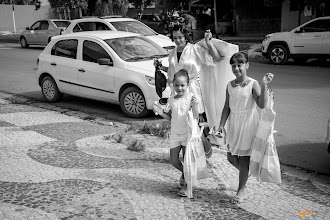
[133,103]
[278,54]
[23,42]
[49,90]
[300,60]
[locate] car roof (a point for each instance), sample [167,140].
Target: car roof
[99,34]
[49,19]
[86,19]
[120,19]
[326,17]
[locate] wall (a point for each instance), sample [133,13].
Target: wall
[290,19]
[25,16]
[259,26]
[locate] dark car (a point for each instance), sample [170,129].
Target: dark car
[152,20]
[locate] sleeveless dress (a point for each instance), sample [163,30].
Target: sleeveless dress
[243,118]
[179,117]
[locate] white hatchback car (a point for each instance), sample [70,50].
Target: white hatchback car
[111,66]
[115,23]
[309,40]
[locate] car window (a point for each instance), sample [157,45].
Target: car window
[44,25]
[90,26]
[61,23]
[93,51]
[133,26]
[316,26]
[65,48]
[136,48]
[35,26]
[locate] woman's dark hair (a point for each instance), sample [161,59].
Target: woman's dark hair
[241,57]
[181,72]
[184,31]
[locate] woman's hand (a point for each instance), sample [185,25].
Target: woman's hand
[193,101]
[220,131]
[267,78]
[207,36]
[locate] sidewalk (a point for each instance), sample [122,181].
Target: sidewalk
[57,164]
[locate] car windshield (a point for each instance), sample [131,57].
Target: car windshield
[136,48]
[63,24]
[133,26]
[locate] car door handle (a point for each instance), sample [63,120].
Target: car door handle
[53,64]
[317,35]
[81,70]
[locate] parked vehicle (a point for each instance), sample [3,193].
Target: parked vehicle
[110,66]
[119,24]
[41,32]
[310,40]
[152,20]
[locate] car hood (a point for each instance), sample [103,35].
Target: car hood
[145,67]
[278,34]
[161,40]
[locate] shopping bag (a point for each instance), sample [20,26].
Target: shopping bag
[264,161]
[218,139]
[194,166]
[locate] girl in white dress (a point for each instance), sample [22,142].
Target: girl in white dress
[179,105]
[242,96]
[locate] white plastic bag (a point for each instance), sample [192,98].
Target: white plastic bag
[195,166]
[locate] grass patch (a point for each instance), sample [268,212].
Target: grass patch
[161,129]
[136,145]
[118,137]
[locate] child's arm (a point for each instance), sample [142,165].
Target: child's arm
[167,116]
[225,113]
[194,107]
[260,92]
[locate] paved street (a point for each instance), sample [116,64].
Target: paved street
[60,164]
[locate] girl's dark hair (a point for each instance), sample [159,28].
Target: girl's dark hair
[184,31]
[182,72]
[241,57]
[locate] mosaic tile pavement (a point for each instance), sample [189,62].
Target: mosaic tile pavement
[55,166]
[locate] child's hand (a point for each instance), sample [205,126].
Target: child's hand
[220,132]
[268,78]
[193,101]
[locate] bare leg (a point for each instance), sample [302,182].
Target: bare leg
[244,163]
[233,160]
[174,158]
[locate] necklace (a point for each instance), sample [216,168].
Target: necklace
[241,84]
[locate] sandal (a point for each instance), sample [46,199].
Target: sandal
[182,192]
[236,200]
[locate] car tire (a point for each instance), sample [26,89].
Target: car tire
[133,103]
[23,42]
[50,90]
[278,54]
[300,60]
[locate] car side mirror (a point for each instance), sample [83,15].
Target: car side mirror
[28,28]
[105,61]
[298,30]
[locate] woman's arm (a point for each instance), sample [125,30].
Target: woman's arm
[217,56]
[166,116]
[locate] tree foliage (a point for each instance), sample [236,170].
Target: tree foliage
[83,4]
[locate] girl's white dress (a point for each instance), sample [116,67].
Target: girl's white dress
[192,58]
[179,117]
[243,118]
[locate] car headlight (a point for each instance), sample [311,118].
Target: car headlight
[266,38]
[150,80]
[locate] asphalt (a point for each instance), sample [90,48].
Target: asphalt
[61,164]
